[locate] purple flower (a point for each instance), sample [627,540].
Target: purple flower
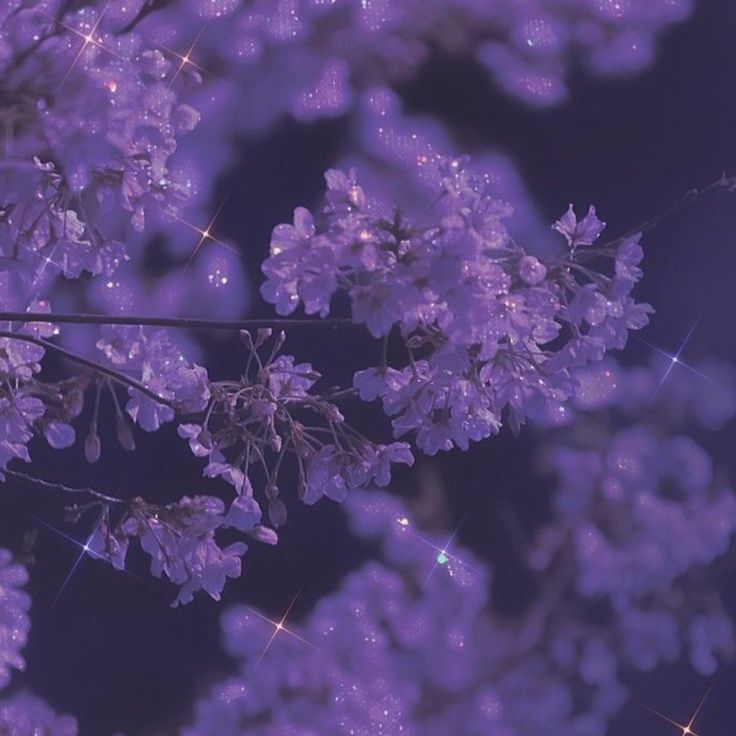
[497,329]
[585,232]
[18,413]
[158,364]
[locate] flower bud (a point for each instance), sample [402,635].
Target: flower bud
[125,435]
[92,447]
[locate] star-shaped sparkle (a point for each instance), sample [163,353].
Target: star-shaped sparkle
[675,359]
[442,554]
[85,550]
[185,59]
[280,627]
[90,38]
[685,729]
[205,235]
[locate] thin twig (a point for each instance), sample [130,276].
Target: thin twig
[177,322]
[97,367]
[723,185]
[61,486]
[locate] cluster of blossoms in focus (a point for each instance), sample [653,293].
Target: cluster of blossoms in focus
[489,332]
[247,431]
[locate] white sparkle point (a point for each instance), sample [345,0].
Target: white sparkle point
[675,359]
[85,551]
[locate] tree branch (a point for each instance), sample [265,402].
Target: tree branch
[175,322]
[61,486]
[96,367]
[724,185]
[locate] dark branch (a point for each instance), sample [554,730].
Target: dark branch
[722,186]
[175,322]
[26,477]
[96,367]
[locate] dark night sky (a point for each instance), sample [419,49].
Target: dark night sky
[111,651]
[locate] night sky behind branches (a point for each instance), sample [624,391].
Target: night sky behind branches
[111,651]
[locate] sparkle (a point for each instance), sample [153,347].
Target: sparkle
[205,234]
[47,260]
[185,59]
[686,729]
[442,555]
[675,359]
[85,551]
[279,626]
[88,39]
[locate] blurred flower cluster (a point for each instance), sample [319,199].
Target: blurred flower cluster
[320,54]
[14,621]
[21,714]
[412,643]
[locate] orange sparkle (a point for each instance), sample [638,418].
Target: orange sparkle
[686,729]
[279,627]
[87,38]
[185,59]
[205,233]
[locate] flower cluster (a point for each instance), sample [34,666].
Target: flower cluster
[487,328]
[90,124]
[251,426]
[180,539]
[159,365]
[14,621]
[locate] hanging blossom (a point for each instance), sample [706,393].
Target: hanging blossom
[90,126]
[491,332]
[247,430]
[272,413]
[14,621]
[181,540]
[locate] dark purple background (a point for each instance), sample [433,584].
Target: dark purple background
[113,653]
